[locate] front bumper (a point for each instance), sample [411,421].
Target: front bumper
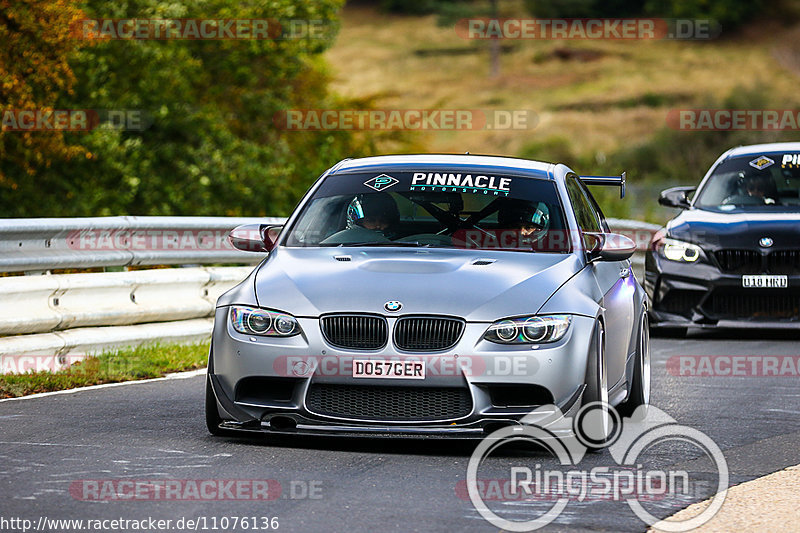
[265,384]
[701,295]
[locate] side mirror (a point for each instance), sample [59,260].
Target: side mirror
[676,197]
[609,246]
[254,237]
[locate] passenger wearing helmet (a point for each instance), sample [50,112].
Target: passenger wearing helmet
[531,219]
[370,217]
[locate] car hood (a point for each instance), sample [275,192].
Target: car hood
[478,286]
[736,230]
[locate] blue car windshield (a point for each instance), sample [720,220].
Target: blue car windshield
[461,209]
[769,182]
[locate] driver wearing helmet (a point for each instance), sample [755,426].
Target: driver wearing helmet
[369,218]
[754,189]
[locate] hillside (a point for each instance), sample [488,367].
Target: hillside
[597,97]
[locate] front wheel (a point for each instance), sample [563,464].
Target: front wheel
[594,429]
[640,381]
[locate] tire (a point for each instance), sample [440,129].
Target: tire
[596,392]
[639,393]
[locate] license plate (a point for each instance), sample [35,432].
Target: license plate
[378,368]
[765,282]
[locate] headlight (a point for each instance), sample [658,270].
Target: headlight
[679,251]
[252,321]
[528,330]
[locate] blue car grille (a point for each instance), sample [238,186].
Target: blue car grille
[739,261]
[754,262]
[784,262]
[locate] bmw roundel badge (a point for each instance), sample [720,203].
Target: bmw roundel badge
[392,306]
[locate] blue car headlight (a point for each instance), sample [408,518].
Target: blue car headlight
[528,330]
[676,250]
[253,321]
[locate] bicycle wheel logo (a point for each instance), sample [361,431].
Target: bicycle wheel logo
[567,440]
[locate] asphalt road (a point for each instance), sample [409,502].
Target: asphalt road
[155,431]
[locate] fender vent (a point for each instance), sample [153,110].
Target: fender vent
[342,257]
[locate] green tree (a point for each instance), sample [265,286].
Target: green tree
[210,146]
[33,72]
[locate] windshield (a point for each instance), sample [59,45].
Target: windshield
[433,209]
[769,182]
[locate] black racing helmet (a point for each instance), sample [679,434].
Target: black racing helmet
[374,206]
[518,213]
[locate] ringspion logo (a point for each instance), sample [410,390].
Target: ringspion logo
[627,478]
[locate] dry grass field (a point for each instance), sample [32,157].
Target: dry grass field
[600,95]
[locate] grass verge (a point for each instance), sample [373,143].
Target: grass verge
[128,364]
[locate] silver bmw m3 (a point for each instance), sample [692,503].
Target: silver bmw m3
[442,295]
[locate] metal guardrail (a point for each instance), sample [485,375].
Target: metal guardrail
[42,244]
[73,315]
[57,302]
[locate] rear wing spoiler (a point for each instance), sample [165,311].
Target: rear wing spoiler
[614,181]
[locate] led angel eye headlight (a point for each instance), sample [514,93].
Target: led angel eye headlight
[529,330]
[285,324]
[253,321]
[680,251]
[259,322]
[534,329]
[506,331]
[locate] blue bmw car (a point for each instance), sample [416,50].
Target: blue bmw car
[731,258]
